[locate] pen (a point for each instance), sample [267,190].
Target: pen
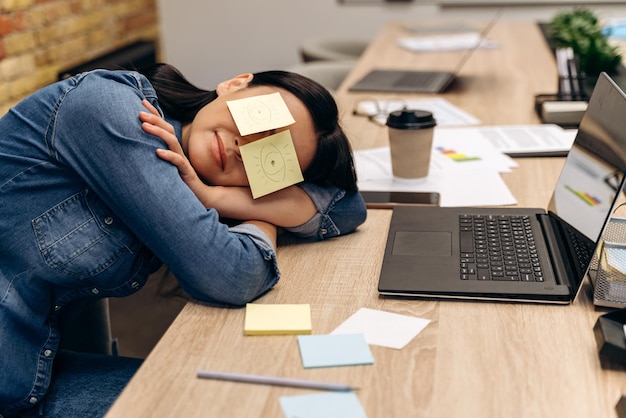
[273,380]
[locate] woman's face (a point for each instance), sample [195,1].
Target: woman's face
[211,142]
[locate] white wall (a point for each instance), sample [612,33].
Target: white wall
[212,40]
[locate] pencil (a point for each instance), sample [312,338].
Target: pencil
[273,380]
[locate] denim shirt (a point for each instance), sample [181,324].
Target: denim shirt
[87,210]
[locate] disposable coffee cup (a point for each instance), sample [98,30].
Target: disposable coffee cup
[410,143]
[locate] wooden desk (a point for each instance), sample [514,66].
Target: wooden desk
[472,360]
[495,85]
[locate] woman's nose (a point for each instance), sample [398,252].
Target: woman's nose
[236,144]
[243,140]
[240,141]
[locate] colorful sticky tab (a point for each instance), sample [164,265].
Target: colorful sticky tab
[458,157]
[271,164]
[260,113]
[334,350]
[271,319]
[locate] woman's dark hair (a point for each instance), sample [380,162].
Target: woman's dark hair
[332,164]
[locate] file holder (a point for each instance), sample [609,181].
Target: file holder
[568,105]
[607,270]
[565,113]
[570,89]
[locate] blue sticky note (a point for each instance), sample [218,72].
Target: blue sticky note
[322,405]
[334,350]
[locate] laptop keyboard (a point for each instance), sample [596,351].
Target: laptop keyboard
[583,249]
[417,78]
[498,247]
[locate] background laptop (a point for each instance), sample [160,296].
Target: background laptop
[411,81]
[430,251]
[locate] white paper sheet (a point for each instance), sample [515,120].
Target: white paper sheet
[382,328]
[444,112]
[441,43]
[456,152]
[517,140]
[467,186]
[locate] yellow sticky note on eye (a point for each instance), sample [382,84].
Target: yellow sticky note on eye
[262,319]
[271,164]
[260,113]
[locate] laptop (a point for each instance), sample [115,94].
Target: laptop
[517,254]
[411,81]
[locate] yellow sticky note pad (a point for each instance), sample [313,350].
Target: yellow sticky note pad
[271,164]
[260,113]
[268,319]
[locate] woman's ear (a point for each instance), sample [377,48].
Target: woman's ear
[236,83]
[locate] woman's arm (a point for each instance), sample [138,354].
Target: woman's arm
[338,212]
[100,146]
[288,207]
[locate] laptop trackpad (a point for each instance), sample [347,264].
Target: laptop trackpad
[422,243]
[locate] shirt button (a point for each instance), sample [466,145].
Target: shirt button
[47,353]
[57,307]
[108,220]
[33,400]
[95,291]
[134,285]
[324,231]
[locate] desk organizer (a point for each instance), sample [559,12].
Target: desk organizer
[608,267]
[565,109]
[611,338]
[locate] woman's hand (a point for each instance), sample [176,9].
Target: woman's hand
[288,207]
[154,124]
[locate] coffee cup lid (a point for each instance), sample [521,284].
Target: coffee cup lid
[411,119]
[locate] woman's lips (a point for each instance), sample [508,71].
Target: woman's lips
[219,154]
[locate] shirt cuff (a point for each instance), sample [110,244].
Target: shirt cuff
[255,233]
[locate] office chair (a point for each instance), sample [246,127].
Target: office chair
[86,327]
[331,49]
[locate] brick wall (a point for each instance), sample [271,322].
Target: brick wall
[39,38]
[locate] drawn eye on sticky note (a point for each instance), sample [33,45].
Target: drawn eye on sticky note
[271,164]
[260,113]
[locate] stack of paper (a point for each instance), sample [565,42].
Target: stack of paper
[268,319]
[444,112]
[327,405]
[334,350]
[442,43]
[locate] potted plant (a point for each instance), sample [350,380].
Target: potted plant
[580,30]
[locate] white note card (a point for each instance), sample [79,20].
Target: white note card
[382,328]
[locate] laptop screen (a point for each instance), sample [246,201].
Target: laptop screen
[585,194]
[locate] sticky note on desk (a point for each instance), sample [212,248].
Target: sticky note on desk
[334,350]
[277,319]
[382,328]
[327,405]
